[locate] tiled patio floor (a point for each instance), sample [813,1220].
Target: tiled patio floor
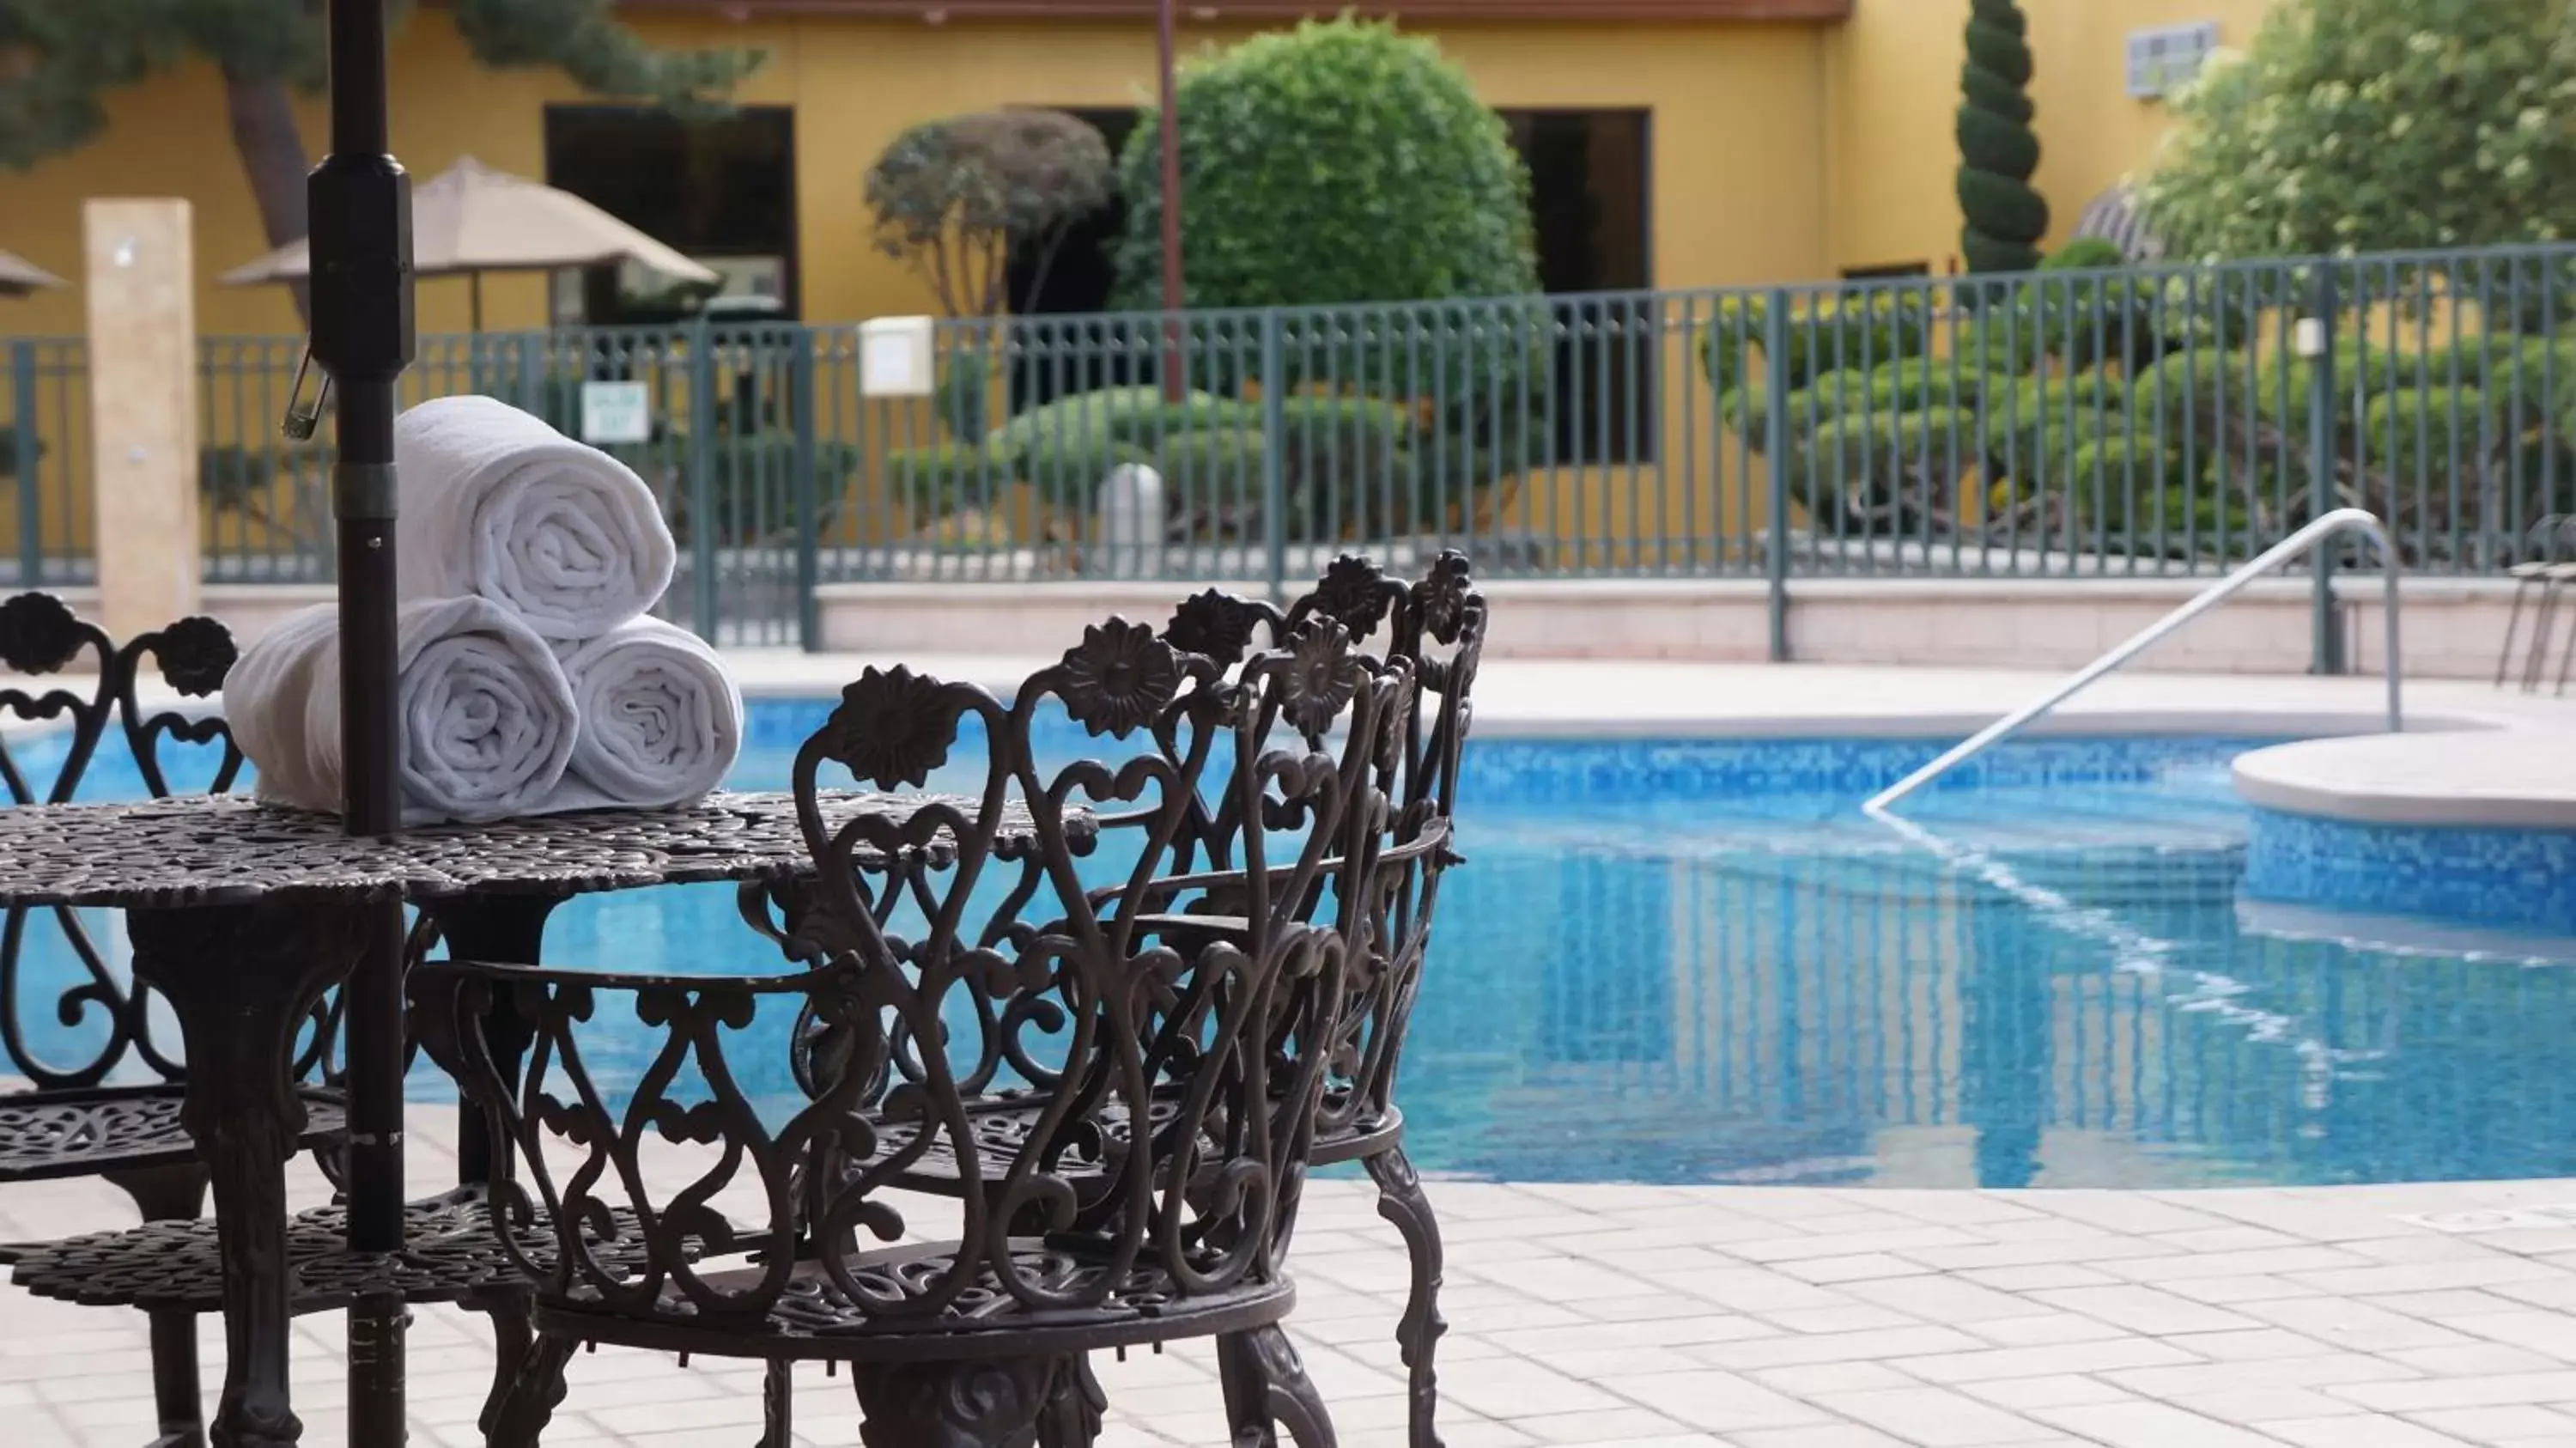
[2364,1317]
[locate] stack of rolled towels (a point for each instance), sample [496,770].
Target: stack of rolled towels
[531,677]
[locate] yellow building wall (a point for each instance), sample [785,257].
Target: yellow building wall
[1731,205]
[1893,74]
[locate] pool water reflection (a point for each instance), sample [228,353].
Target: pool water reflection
[1696,962]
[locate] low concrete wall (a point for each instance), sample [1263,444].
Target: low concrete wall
[2452,627]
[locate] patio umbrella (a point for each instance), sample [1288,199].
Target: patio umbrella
[19,276]
[471,219]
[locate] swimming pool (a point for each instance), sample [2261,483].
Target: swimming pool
[1695,961]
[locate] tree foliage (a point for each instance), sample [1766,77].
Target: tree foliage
[954,197]
[60,59]
[1998,151]
[1337,162]
[2372,125]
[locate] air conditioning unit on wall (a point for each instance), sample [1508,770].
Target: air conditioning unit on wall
[2164,59]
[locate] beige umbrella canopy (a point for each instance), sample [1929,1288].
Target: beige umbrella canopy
[471,219]
[19,276]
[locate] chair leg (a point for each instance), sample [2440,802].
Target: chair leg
[993,1403]
[778,1405]
[520,1417]
[1266,1389]
[172,1194]
[1076,1407]
[1402,1201]
[513,1337]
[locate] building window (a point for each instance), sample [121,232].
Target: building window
[1887,271]
[2165,59]
[722,193]
[1592,212]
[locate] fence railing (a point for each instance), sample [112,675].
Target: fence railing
[45,517]
[2163,421]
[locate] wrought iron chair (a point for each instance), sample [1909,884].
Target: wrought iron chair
[1435,629]
[1215,1016]
[70,1121]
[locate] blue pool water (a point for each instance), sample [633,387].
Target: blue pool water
[1697,962]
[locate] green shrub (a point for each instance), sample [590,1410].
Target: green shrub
[1082,418]
[1224,463]
[932,482]
[2086,253]
[2032,428]
[230,475]
[1867,473]
[2001,340]
[965,397]
[1337,162]
[1840,331]
[2108,477]
[1067,471]
[752,483]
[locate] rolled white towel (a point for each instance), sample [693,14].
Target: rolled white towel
[487,715]
[661,719]
[497,504]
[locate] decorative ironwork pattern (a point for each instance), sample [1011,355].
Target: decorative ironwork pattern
[1214,1029]
[81,1133]
[165,854]
[451,1251]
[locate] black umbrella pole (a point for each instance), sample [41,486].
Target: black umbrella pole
[360,204]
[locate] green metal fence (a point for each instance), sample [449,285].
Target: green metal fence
[2167,421]
[44,462]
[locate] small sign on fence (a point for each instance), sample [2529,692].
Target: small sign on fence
[613,412]
[897,357]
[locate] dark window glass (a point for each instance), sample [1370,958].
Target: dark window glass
[1592,214]
[1060,359]
[1891,269]
[722,192]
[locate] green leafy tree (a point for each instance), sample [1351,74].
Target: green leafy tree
[2372,125]
[1998,151]
[59,59]
[954,197]
[1336,162]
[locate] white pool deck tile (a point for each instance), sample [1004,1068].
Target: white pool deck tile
[1621,1316]
[2411,1314]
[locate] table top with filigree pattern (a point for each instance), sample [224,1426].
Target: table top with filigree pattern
[225,849]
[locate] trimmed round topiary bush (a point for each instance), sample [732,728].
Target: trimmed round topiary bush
[1337,162]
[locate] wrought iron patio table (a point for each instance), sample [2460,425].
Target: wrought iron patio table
[241,915]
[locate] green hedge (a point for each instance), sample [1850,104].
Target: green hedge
[1824,334]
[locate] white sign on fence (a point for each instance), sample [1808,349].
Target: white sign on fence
[616,412]
[897,356]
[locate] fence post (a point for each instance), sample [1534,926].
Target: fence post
[699,469]
[1775,433]
[24,445]
[2325,629]
[807,501]
[1274,482]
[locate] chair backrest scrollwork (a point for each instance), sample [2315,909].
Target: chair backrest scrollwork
[1206,1028]
[1436,626]
[41,637]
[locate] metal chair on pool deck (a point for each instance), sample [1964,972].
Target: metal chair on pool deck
[1213,1018]
[1435,630]
[70,1122]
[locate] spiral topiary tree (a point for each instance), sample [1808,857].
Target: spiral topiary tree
[1998,151]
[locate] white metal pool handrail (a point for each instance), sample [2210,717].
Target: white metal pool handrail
[2341,520]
